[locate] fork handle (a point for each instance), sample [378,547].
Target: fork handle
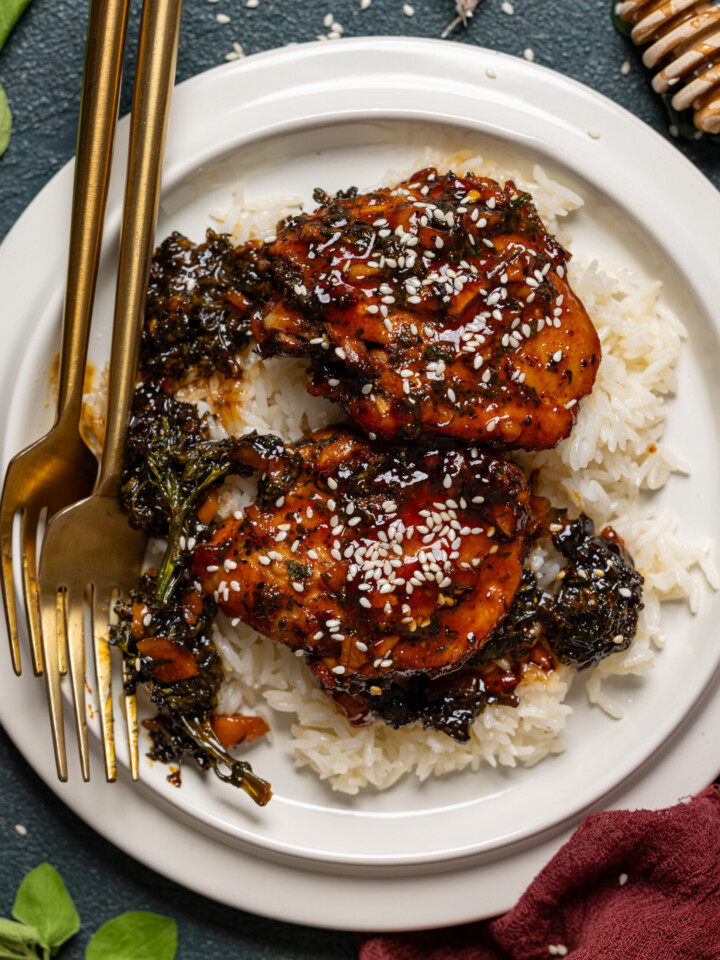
[154,78]
[107,25]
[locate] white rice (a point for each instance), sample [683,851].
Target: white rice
[613,454]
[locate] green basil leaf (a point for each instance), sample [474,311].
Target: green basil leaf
[18,941]
[5,122]
[43,902]
[10,10]
[17,933]
[134,936]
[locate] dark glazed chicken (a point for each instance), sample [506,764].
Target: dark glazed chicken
[374,561]
[399,573]
[439,307]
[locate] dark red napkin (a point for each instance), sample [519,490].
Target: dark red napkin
[628,885]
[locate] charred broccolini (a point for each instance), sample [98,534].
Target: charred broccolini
[167,648]
[197,312]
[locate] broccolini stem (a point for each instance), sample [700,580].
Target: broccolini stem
[171,568]
[241,773]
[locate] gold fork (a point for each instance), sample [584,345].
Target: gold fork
[90,546]
[59,469]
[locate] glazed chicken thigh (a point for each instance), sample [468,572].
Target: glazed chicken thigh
[440,307]
[373,560]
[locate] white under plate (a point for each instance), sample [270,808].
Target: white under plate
[335,115]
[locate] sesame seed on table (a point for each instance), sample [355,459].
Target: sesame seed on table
[41,71]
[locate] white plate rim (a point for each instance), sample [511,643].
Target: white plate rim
[380,46]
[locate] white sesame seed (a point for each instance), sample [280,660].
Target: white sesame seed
[222,18]
[529,54]
[619,638]
[386,663]
[625,68]
[265,561]
[408,10]
[364,602]
[507,8]
[622,879]
[340,353]
[251,4]
[595,134]
[332,483]
[298,586]
[339,669]
[20,830]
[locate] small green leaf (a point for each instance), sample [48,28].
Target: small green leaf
[10,10]
[14,932]
[134,936]
[18,941]
[43,902]
[5,122]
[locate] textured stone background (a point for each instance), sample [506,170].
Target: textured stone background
[41,69]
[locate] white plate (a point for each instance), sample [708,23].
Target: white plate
[330,115]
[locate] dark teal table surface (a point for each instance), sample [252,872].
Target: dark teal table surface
[41,69]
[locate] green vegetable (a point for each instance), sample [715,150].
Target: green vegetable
[17,940]
[5,122]
[10,11]
[134,936]
[43,902]
[205,465]
[47,918]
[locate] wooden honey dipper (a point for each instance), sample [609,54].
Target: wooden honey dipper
[685,46]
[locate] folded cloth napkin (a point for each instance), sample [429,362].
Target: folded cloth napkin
[628,885]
